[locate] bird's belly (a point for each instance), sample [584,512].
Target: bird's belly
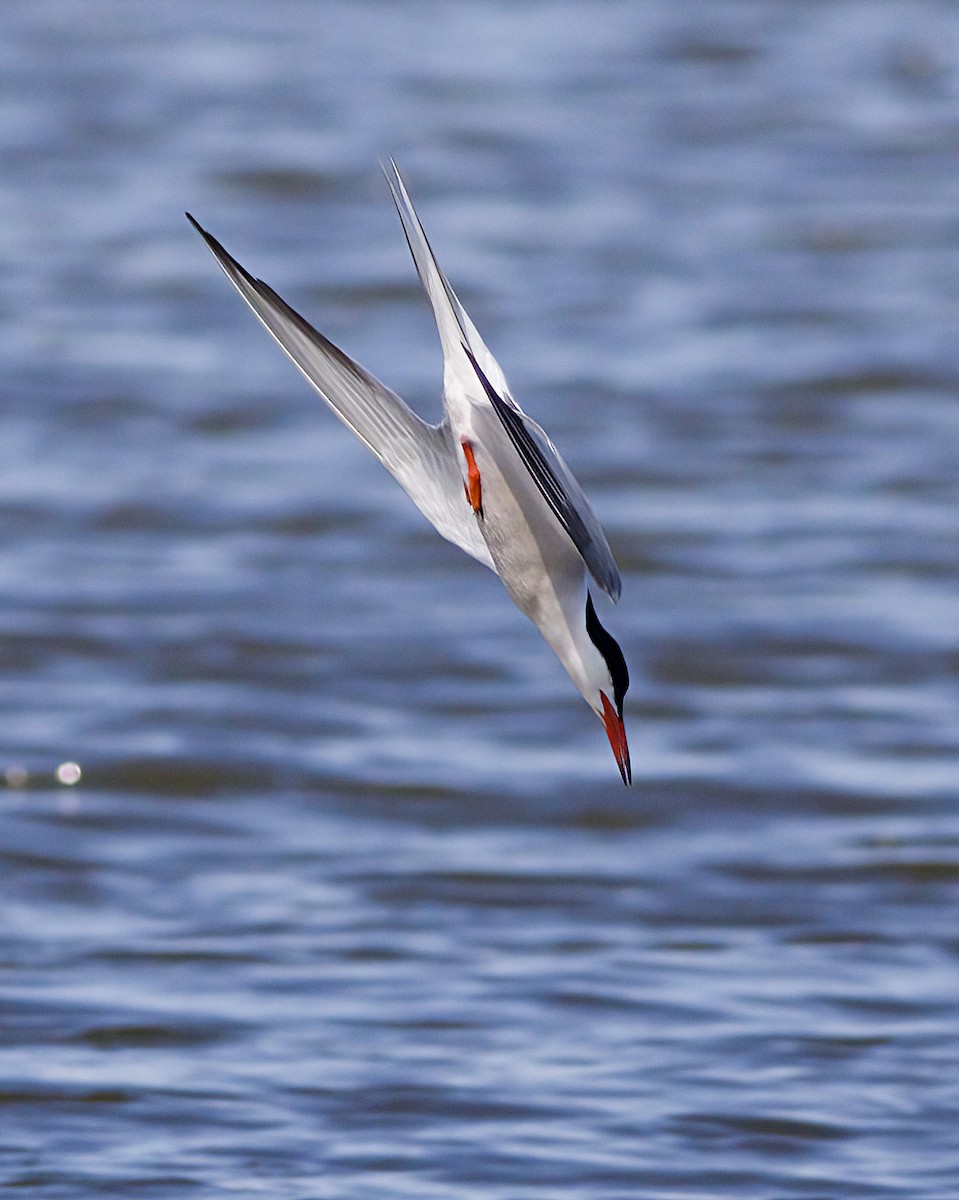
[531,551]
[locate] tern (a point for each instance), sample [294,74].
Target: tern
[487,477]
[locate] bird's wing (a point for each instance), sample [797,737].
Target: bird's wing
[464,350]
[420,456]
[558,486]
[457,332]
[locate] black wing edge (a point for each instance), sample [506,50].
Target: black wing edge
[409,218]
[232,267]
[553,491]
[229,263]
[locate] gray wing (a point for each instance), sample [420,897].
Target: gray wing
[558,486]
[459,337]
[452,320]
[421,457]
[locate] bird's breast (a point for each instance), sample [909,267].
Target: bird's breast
[532,553]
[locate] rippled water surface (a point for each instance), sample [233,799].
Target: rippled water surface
[349,902]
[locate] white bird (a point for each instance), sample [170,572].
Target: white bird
[487,477]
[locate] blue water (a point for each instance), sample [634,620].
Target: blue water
[349,902]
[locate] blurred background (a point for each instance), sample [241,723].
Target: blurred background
[343,896]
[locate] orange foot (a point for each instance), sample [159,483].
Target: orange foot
[474,489]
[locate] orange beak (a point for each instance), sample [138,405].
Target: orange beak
[616,732]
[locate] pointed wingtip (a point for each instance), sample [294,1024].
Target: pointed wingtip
[207,237]
[401,197]
[393,178]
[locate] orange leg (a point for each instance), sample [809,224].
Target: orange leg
[474,489]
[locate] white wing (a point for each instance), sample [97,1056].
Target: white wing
[457,332]
[421,457]
[467,360]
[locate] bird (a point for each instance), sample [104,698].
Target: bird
[487,477]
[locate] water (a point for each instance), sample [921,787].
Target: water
[349,901]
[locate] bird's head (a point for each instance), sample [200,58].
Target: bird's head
[609,680]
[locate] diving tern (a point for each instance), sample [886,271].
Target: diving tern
[487,476]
